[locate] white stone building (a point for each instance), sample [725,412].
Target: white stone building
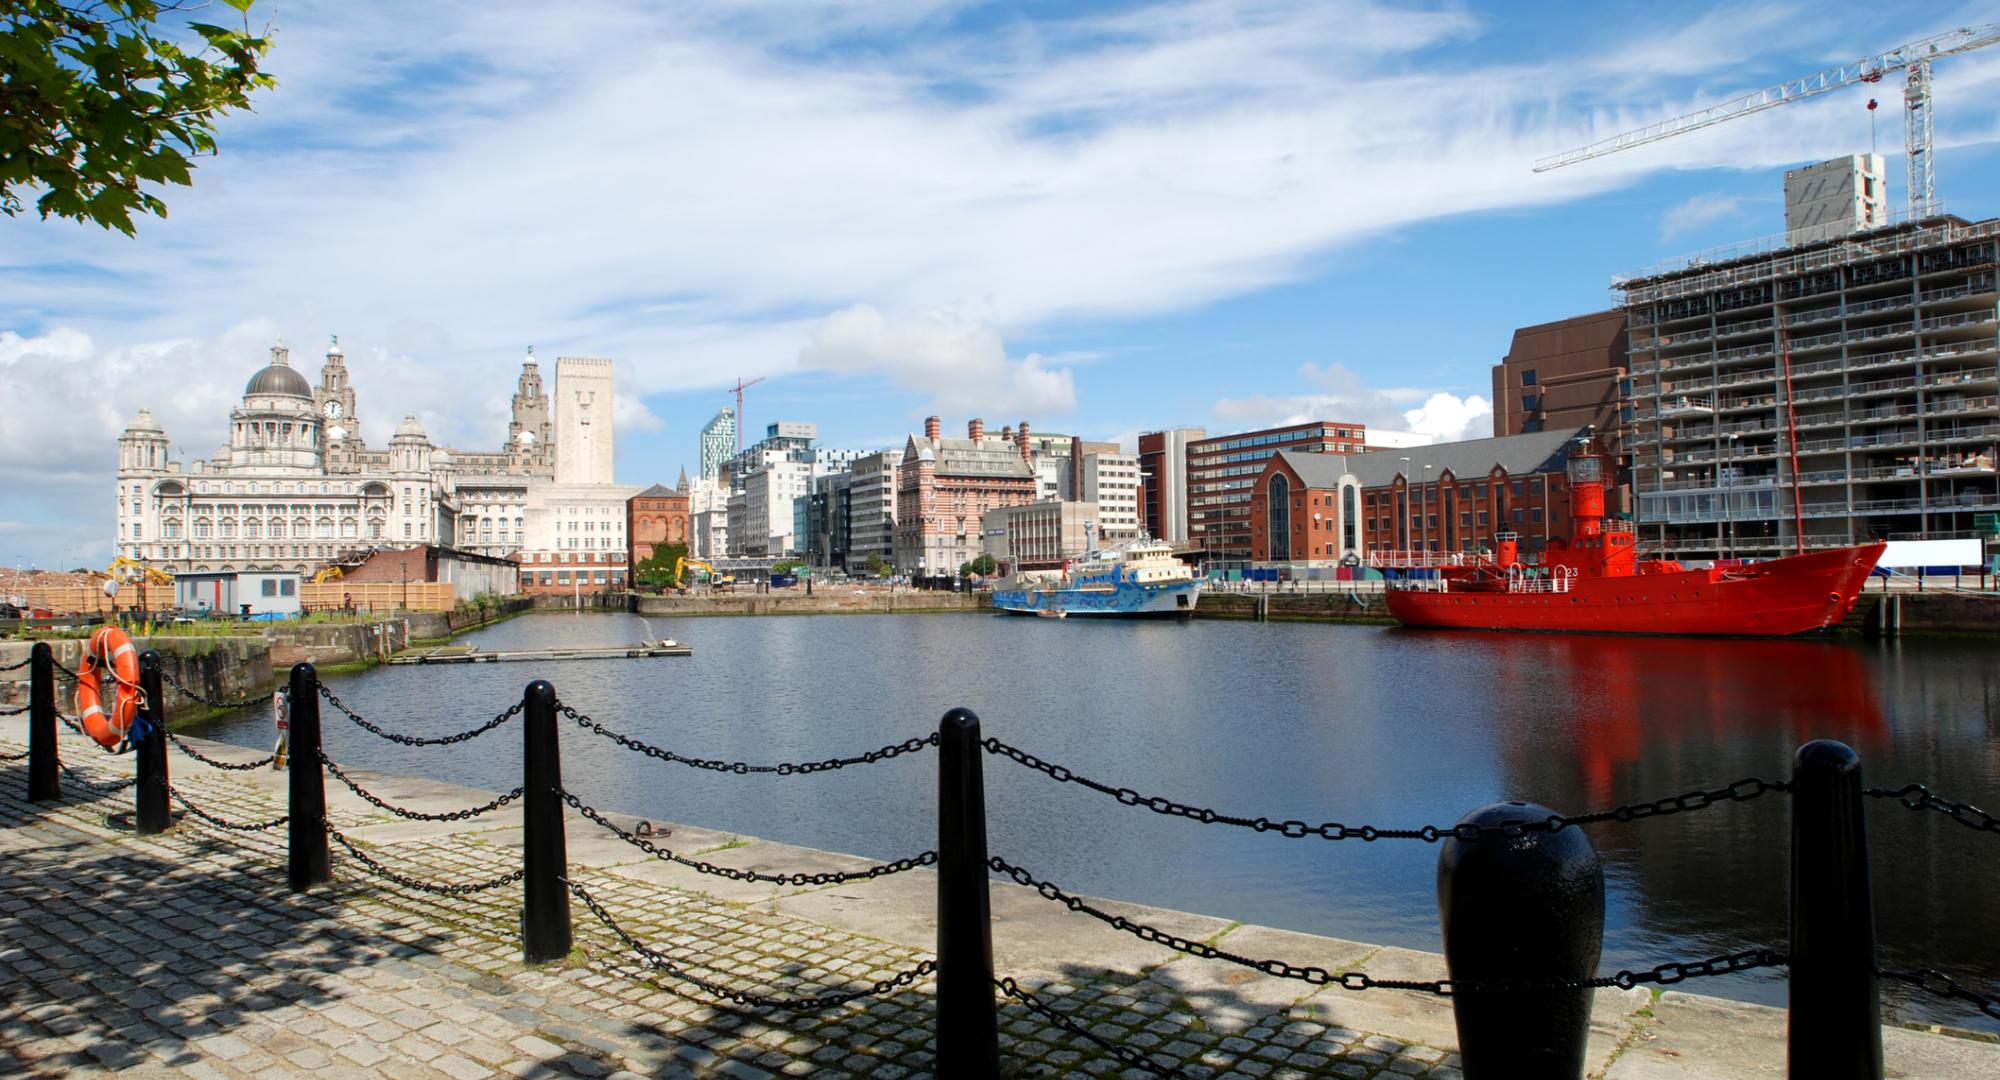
[1111,482]
[296,487]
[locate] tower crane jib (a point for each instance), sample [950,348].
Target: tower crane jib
[1915,59]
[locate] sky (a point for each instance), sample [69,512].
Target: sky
[1101,218]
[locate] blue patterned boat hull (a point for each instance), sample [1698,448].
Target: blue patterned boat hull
[1125,600]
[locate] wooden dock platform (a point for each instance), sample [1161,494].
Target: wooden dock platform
[474,656]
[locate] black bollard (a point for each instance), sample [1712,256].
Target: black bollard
[1521,908]
[44,783]
[545,929]
[968,1035]
[1836,1003]
[154,812]
[310,863]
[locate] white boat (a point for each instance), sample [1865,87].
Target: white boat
[1133,580]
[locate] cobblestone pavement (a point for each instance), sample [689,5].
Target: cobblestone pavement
[184,954]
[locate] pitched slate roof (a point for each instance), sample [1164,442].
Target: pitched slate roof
[657,491]
[1519,455]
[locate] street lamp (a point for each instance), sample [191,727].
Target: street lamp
[1722,474]
[1403,519]
[1427,509]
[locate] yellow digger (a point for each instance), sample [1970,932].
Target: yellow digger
[331,573]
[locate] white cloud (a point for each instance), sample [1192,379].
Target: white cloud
[959,362]
[1694,213]
[689,190]
[1395,416]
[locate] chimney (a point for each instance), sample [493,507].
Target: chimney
[1007,434]
[975,429]
[1076,467]
[1021,441]
[931,428]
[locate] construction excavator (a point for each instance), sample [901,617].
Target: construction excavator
[132,570]
[331,573]
[684,564]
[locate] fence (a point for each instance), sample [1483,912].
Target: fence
[1521,890]
[377,595]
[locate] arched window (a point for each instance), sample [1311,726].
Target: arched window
[1350,513]
[1280,522]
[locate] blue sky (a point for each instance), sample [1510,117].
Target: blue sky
[1101,218]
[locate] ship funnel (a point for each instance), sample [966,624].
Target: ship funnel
[1508,550]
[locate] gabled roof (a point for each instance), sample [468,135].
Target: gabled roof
[1518,455]
[657,491]
[991,456]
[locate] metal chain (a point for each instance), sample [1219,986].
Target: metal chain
[1740,791]
[413,740]
[214,764]
[412,883]
[219,822]
[907,746]
[213,703]
[415,815]
[1664,974]
[15,757]
[1937,982]
[15,711]
[62,670]
[92,785]
[1048,1012]
[73,725]
[1919,797]
[662,962]
[928,858]
[18,664]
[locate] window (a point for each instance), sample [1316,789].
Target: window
[1527,376]
[1530,402]
[270,587]
[1529,427]
[287,587]
[1537,514]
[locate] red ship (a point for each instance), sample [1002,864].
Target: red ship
[1595,582]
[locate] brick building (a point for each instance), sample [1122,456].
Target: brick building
[1330,509]
[1560,376]
[658,515]
[1222,471]
[1163,485]
[944,487]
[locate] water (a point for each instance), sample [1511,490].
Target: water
[1353,724]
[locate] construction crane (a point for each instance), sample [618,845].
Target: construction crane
[1915,59]
[738,391]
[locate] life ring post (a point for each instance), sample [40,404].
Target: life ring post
[152,814]
[310,862]
[545,925]
[44,783]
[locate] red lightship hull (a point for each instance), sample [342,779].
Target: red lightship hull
[1794,595]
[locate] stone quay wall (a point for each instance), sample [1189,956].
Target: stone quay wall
[223,668]
[832,600]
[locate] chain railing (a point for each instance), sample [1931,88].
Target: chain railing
[408,882]
[224,823]
[231,766]
[801,768]
[1665,974]
[1293,829]
[93,785]
[1937,982]
[661,962]
[415,740]
[17,665]
[13,710]
[415,815]
[1825,790]
[1125,1054]
[213,703]
[830,877]
[1919,797]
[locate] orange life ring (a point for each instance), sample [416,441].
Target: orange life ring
[109,650]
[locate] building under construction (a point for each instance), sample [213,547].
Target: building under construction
[1832,391]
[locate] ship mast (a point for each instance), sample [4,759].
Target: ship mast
[1791,439]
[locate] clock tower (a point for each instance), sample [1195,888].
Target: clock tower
[334,398]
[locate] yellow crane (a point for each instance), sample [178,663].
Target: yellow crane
[124,569]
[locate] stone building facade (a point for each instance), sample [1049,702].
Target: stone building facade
[297,487]
[945,487]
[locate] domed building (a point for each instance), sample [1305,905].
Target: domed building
[297,487]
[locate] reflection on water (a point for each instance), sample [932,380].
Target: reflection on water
[1352,724]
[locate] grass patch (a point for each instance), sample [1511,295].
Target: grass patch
[731,844]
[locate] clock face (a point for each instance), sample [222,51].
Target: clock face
[333,410]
